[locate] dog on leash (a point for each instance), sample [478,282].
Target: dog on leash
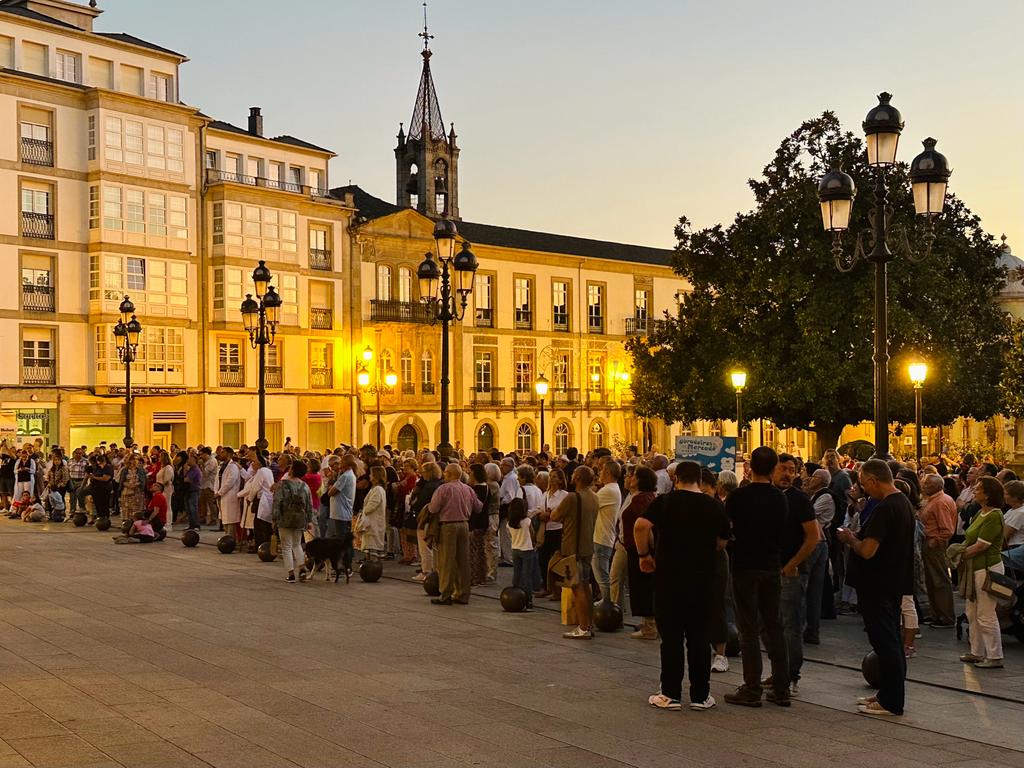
[321,551]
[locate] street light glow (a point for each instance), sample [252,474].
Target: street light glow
[739,379]
[918,373]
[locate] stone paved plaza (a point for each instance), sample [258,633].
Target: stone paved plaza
[165,656]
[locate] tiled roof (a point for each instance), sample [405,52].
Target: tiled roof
[27,13]
[220,125]
[124,37]
[371,207]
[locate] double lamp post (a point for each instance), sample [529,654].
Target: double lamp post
[929,174]
[127,333]
[260,317]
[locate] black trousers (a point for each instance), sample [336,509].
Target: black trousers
[683,622]
[262,531]
[881,614]
[552,541]
[641,587]
[756,594]
[101,498]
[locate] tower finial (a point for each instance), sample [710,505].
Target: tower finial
[425,34]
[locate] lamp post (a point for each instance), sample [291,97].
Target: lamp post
[260,317]
[446,296]
[541,387]
[739,383]
[377,388]
[929,174]
[918,373]
[126,336]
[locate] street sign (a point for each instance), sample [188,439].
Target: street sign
[715,453]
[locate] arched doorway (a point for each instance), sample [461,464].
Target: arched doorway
[408,438]
[485,437]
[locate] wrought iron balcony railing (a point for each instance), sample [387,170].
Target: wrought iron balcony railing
[488,397]
[274,377]
[37,152]
[565,398]
[37,225]
[560,321]
[427,388]
[524,319]
[320,259]
[321,378]
[524,397]
[214,175]
[321,318]
[231,375]
[484,317]
[38,371]
[396,311]
[408,388]
[37,298]
[595,324]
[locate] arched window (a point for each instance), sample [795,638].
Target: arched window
[385,363]
[408,383]
[408,438]
[485,437]
[597,435]
[427,372]
[383,282]
[404,284]
[562,437]
[524,438]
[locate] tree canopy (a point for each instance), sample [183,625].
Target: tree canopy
[767,297]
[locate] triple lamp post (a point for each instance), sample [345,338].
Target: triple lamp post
[126,336]
[260,317]
[378,388]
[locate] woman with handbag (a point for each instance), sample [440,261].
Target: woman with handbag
[373,519]
[292,513]
[983,539]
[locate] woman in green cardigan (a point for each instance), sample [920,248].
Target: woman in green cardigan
[984,540]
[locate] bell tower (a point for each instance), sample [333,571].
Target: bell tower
[427,159]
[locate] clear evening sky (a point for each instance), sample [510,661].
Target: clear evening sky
[610,119]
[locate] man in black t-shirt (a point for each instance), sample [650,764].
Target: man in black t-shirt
[758,512]
[881,569]
[800,535]
[689,527]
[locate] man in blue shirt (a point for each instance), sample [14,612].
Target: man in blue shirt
[343,497]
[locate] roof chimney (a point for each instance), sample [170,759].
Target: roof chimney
[255,121]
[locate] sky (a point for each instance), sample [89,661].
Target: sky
[609,119]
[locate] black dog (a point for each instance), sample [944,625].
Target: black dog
[319,551]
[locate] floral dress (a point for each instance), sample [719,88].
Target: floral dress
[133,497]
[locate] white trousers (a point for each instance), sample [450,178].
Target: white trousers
[426,553]
[986,639]
[291,547]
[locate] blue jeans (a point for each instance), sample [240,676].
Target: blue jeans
[323,520]
[192,504]
[1014,558]
[817,570]
[602,565]
[525,572]
[341,529]
[793,610]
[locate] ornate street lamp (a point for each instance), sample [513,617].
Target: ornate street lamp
[918,373]
[260,317]
[446,296]
[378,387]
[739,383]
[929,174]
[127,333]
[540,386]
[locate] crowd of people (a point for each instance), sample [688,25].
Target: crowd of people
[699,558]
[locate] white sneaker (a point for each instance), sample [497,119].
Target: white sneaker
[420,577]
[794,689]
[661,701]
[708,703]
[579,634]
[719,664]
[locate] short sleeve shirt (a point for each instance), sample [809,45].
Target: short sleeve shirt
[687,527]
[758,513]
[891,570]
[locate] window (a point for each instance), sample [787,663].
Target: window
[36,211]
[562,438]
[232,432]
[560,369]
[318,239]
[233,163]
[211,158]
[275,172]
[92,137]
[595,374]
[522,301]
[69,66]
[597,435]
[94,206]
[640,298]
[524,438]
[135,277]
[427,372]
[294,176]
[101,73]
[483,371]
[385,363]
[6,51]
[321,360]
[405,374]
[485,437]
[228,287]
[162,353]
[288,287]
[113,214]
[383,282]
[135,210]
[560,305]
[254,167]
[523,363]
[160,87]
[36,284]
[35,198]
[37,358]
[716,428]
[595,308]
[229,359]
[769,434]
[405,284]
[36,142]
[483,296]
[321,305]
[131,79]
[157,213]
[157,282]
[35,130]
[315,180]
[134,143]
[34,59]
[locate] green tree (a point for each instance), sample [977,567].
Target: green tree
[766,296]
[1012,384]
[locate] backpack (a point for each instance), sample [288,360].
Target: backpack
[293,508]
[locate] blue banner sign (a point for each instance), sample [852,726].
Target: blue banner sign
[715,453]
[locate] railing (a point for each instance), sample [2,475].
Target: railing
[524,319]
[598,400]
[231,376]
[37,225]
[321,318]
[38,370]
[214,175]
[595,324]
[36,152]
[559,321]
[641,326]
[484,317]
[427,387]
[408,388]
[565,398]
[321,378]
[489,398]
[274,378]
[523,397]
[320,259]
[37,298]
[395,311]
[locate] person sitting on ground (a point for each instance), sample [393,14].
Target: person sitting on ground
[156,509]
[141,531]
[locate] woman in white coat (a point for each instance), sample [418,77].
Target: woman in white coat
[373,521]
[258,492]
[229,480]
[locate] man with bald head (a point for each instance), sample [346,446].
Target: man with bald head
[938,517]
[452,504]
